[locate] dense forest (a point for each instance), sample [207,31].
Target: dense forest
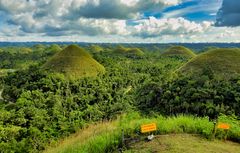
[38,107]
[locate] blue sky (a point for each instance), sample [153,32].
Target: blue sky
[196,10]
[120,20]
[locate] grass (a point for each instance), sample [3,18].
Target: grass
[95,138]
[135,51]
[74,62]
[95,49]
[186,143]
[4,72]
[221,62]
[179,51]
[54,48]
[106,137]
[179,124]
[129,51]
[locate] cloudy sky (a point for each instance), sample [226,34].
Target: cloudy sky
[146,21]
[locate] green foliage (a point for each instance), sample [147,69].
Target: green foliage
[47,107]
[110,140]
[40,108]
[74,62]
[95,49]
[22,57]
[54,48]
[202,96]
[179,51]
[104,143]
[129,52]
[166,125]
[222,62]
[234,132]
[208,48]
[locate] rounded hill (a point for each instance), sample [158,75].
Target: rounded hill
[179,51]
[129,51]
[54,48]
[135,51]
[74,62]
[95,49]
[121,50]
[222,62]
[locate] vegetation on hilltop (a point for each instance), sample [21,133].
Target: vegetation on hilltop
[130,52]
[95,49]
[54,48]
[45,107]
[135,51]
[74,62]
[219,62]
[180,51]
[201,96]
[40,108]
[22,57]
[108,135]
[39,46]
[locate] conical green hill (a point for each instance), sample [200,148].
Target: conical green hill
[74,62]
[179,51]
[95,49]
[129,51]
[54,47]
[135,51]
[120,50]
[222,62]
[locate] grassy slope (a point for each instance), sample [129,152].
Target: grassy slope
[74,61]
[129,51]
[105,137]
[135,51]
[75,143]
[95,49]
[179,51]
[184,143]
[220,61]
[54,48]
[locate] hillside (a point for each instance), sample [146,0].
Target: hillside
[172,136]
[75,62]
[135,51]
[223,62]
[185,143]
[179,51]
[129,51]
[54,48]
[95,49]
[41,109]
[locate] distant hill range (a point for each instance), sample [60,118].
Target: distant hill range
[193,46]
[74,62]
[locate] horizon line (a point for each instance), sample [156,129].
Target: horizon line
[120,42]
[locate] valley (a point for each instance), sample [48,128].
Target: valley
[98,91]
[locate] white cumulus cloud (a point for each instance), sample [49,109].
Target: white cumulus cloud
[154,27]
[106,20]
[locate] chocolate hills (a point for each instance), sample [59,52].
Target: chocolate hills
[74,62]
[221,62]
[179,51]
[54,48]
[95,49]
[129,51]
